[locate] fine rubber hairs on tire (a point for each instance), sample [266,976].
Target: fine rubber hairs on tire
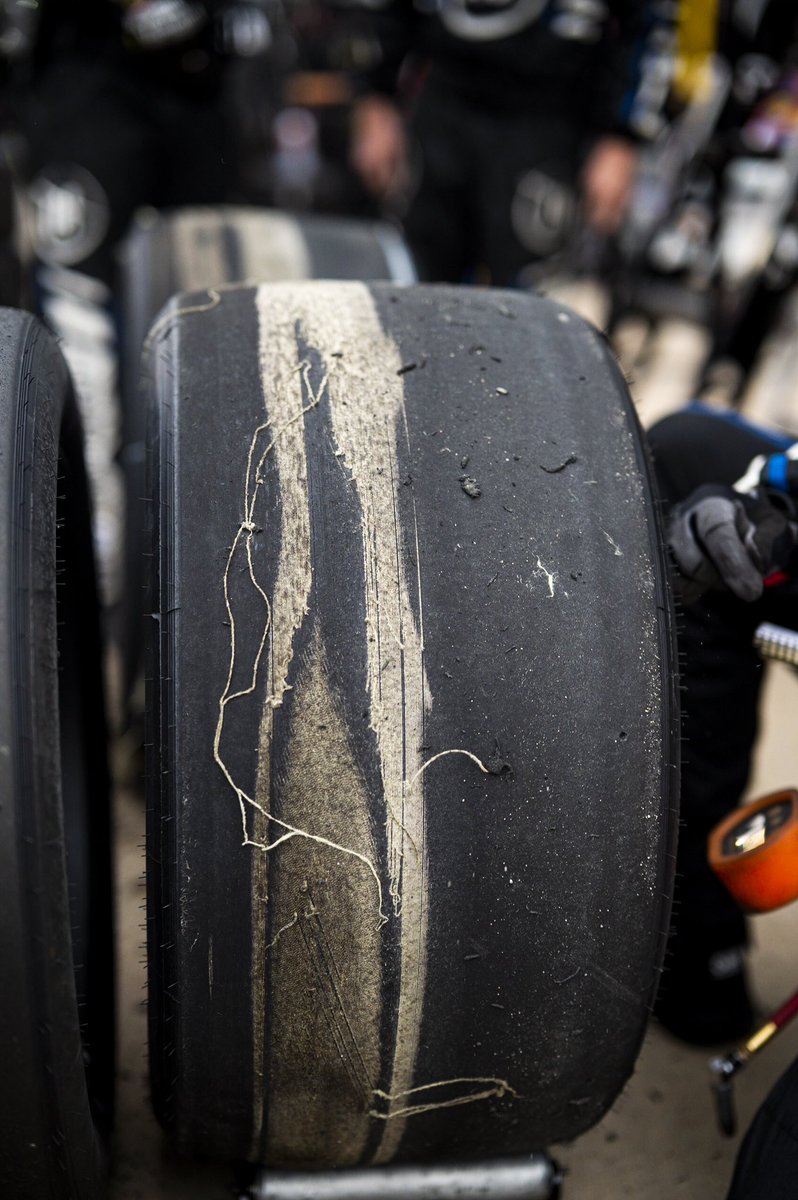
[192,248]
[56,998]
[413,725]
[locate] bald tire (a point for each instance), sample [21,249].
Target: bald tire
[191,249]
[56,998]
[413,725]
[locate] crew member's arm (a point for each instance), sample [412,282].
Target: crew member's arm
[378,147]
[636,34]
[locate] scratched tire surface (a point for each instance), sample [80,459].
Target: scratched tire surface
[195,248]
[413,724]
[56,995]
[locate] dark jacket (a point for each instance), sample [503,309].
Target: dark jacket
[573,57]
[171,44]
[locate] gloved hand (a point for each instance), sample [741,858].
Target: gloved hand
[721,538]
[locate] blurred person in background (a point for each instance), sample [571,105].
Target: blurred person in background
[731,524]
[761,158]
[520,112]
[730,493]
[714,236]
[310,169]
[120,104]
[124,103]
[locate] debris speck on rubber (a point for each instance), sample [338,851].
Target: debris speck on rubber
[470,487]
[497,764]
[556,470]
[403,370]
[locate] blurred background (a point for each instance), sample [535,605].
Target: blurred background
[687,259]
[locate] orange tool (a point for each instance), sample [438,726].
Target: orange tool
[754,851]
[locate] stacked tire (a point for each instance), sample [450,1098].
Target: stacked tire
[56,998]
[200,248]
[412,722]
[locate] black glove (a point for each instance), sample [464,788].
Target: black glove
[721,538]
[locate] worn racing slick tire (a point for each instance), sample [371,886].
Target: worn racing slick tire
[193,248]
[412,725]
[56,997]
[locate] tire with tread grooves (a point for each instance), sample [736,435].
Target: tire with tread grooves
[413,725]
[57,997]
[190,249]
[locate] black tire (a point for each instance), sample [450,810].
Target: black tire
[196,248]
[56,998]
[478,449]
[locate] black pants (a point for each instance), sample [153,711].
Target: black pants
[103,141]
[495,189]
[722,677]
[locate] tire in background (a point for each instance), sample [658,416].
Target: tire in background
[412,721]
[197,248]
[56,998]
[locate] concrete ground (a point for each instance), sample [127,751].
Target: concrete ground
[660,1140]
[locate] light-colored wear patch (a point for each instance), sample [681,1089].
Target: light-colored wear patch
[341,324]
[323,826]
[271,246]
[324,971]
[367,405]
[198,249]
